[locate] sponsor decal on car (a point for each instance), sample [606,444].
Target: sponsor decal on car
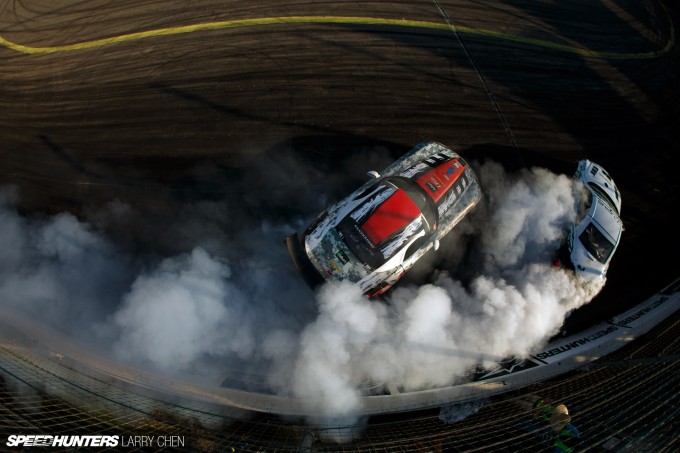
[344,259]
[335,266]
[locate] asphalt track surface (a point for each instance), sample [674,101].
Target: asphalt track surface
[160,103]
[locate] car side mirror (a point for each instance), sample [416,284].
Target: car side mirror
[373,174]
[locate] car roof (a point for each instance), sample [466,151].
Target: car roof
[606,218]
[390,216]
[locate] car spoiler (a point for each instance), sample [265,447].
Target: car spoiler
[302,263]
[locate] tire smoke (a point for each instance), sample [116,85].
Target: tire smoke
[231,299]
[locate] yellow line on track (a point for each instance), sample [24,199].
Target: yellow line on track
[339,20]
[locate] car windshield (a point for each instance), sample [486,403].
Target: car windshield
[596,243]
[392,212]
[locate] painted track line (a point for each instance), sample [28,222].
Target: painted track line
[339,20]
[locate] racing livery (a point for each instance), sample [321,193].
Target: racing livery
[379,232]
[593,239]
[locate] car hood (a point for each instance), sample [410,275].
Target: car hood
[584,264]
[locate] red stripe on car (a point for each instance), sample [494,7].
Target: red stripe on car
[394,214]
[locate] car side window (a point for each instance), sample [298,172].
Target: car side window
[415,245]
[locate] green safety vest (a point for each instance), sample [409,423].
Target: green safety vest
[545,408]
[567,439]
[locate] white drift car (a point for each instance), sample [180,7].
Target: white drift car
[593,239]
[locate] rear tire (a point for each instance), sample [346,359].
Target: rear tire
[302,263]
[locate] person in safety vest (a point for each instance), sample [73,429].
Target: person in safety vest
[567,436]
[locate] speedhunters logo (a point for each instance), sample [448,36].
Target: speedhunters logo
[67,441]
[44,440]
[628,322]
[576,344]
[641,313]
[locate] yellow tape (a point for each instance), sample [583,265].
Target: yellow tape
[340,20]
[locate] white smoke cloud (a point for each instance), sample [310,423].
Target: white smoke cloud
[431,335]
[184,309]
[333,346]
[232,296]
[12,238]
[526,215]
[57,269]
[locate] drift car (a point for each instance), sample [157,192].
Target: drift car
[593,239]
[380,231]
